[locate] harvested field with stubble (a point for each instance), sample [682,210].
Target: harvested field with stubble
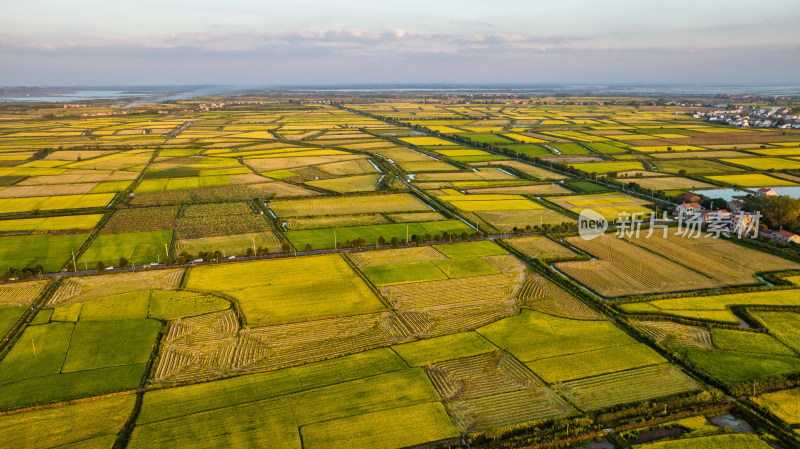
[395,256]
[493,389]
[624,269]
[628,386]
[671,334]
[543,295]
[85,288]
[722,260]
[299,224]
[542,248]
[22,293]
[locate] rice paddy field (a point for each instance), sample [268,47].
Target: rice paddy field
[752,180]
[377,294]
[610,205]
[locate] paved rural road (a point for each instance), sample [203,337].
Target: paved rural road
[265,257]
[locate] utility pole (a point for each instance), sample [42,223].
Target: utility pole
[254,246]
[74,267]
[334,239]
[34,348]
[166,250]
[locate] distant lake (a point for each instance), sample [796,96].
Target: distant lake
[728,194]
[80,95]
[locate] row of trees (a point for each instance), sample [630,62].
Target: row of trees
[27,272]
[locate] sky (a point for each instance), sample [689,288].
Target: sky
[335,42]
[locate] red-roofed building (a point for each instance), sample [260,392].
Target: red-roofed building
[766,191]
[688,198]
[688,208]
[786,237]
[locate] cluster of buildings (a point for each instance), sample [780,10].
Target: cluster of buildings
[104,114]
[691,207]
[745,117]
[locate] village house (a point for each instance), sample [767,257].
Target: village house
[688,209]
[766,191]
[689,197]
[735,205]
[786,237]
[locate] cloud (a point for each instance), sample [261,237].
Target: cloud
[367,41]
[357,55]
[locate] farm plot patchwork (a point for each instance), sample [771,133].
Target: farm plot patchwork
[731,356]
[15,300]
[540,294]
[72,360]
[624,269]
[366,391]
[714,307]
[503,212]
[547,344]
[722,260]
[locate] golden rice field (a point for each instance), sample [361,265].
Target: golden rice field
[752,180]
